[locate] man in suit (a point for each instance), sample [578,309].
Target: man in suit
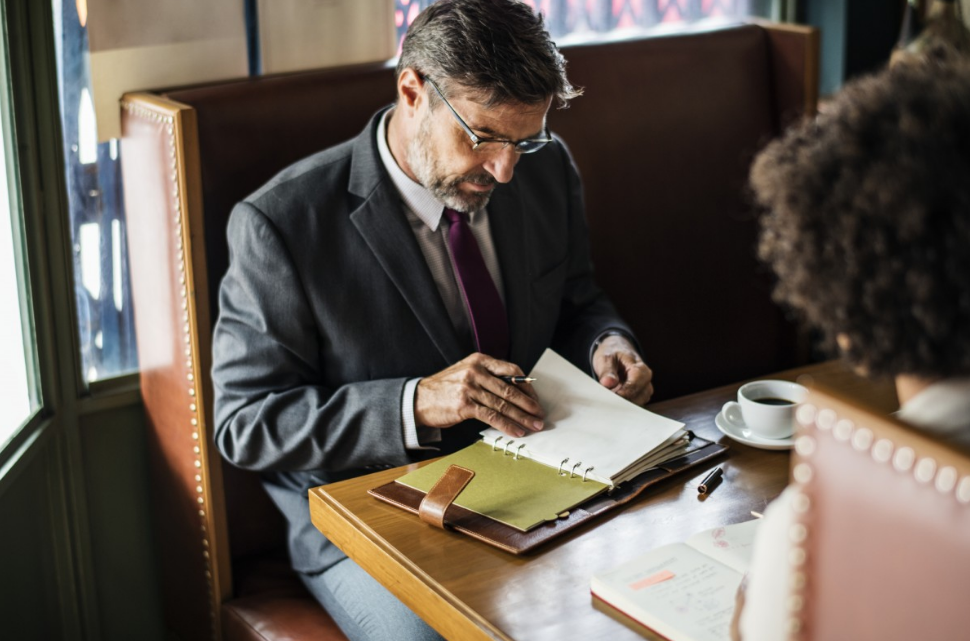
[378,290]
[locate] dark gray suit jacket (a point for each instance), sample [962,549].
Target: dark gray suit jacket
[328,308]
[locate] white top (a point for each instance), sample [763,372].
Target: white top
[942,409]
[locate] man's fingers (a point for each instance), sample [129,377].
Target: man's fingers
[514,395]
[637,384]
[528,390]
[608,375]
[619,368]
[635,371]
[647,394]
[493,418]
[503,407]
[609,380]
[498,369]
[473,388]
[636,394]
[495,366]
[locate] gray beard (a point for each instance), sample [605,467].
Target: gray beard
[425,166]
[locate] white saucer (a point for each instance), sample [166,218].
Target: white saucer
[744,435]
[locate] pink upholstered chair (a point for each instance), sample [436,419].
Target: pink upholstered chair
[882,539]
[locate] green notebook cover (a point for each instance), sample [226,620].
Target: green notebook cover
[516,491]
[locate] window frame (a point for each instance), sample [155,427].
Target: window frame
[37,421]
[43,249]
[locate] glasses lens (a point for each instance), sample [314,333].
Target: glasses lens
[488,145]
[529,146]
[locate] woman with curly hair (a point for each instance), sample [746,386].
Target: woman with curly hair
[867,227]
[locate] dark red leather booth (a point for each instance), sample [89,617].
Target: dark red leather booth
[663,137]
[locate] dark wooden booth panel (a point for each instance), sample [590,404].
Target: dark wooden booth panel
[664,137]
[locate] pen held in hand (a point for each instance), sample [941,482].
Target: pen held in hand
[518,379]
[710,481]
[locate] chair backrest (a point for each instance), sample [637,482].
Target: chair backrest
[882,530]
[663,138]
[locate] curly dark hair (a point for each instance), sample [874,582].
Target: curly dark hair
[868,220]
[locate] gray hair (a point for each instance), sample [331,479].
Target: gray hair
[497,48]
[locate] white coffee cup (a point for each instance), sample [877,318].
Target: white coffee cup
[766,408]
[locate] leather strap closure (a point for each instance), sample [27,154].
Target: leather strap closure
[446,489]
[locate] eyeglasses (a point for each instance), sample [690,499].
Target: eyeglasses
[521,146]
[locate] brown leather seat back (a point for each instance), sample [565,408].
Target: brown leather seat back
[248,131]
[884,528]
[664,136]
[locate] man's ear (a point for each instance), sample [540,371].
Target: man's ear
[410,91]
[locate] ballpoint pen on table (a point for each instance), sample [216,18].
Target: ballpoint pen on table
[710,481]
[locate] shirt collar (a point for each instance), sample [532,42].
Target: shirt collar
[415,195]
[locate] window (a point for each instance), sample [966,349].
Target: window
[16,400]
[581,19]
[106,329]
[18,385]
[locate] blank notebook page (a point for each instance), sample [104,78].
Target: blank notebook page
[586,423]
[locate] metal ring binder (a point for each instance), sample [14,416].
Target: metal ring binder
[518,453]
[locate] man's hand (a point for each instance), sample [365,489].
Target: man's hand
[471,388]
[619,368]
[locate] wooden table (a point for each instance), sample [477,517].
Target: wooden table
[469,590]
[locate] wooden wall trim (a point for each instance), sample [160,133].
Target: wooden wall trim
[795,50]
[812,55]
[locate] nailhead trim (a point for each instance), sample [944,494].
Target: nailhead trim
[167,121]
[904,460]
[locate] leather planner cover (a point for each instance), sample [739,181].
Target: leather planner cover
[516,541]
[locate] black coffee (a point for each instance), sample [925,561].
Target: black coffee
[770,400]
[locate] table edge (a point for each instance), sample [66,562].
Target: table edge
[415,588]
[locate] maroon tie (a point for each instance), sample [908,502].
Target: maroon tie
[485,308]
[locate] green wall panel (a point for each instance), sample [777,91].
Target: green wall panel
[116,479]
[29,597]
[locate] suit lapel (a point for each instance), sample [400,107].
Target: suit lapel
[380,220]
[507,221]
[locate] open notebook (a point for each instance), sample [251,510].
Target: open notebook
[684,591]
[590,431]
[594,442]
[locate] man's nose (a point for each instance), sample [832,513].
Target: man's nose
[502,164]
